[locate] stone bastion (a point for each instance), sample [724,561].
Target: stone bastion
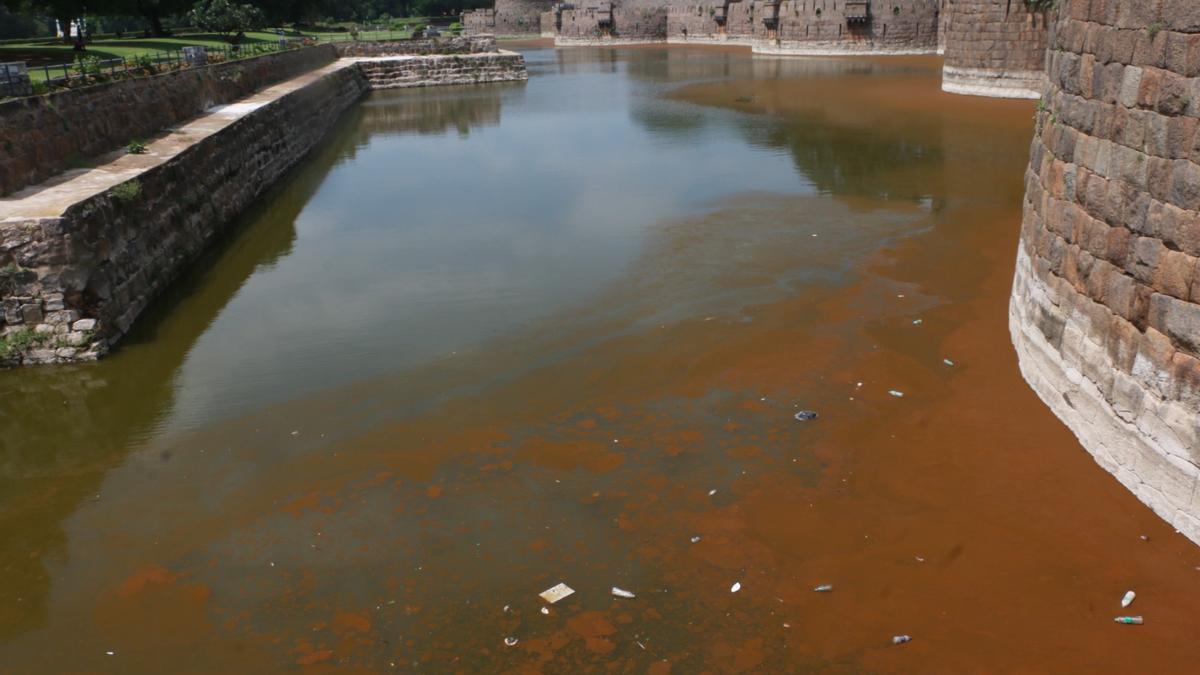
[1105,310]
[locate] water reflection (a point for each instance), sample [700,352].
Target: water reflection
[435,245]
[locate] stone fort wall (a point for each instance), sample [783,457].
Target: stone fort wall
[604,22]
[799,27]
[818,27]
[1105,310]
[995,48]
[508,18]
[711,23]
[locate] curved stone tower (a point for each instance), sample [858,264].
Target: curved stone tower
[995,47]
[508,18]
[1105,311]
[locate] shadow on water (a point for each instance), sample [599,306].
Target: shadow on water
[65,427]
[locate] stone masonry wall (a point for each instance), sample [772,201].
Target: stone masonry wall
[462,44]
[78,281]
[817,27]
[603,22]
[713,22]
[479,21]
[508,18]
[85,276]
[1105,311]
[444,70]
[943,20]
[808,27]
[45,135]
[995,48]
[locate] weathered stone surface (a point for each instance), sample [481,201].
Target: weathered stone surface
[464,44]
[44,135]
[508,18]
[106,259]
[1134,283]
[997,48]
[389,73]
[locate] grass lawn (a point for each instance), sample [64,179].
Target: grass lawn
[39,53]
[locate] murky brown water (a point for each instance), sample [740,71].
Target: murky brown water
[492,339]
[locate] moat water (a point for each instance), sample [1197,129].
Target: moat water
[490,339]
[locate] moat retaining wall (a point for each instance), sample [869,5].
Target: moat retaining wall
[1105,311]
[45,135]
[994,48]
[72,284]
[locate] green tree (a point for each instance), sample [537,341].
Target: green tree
[227,19]
[153,11]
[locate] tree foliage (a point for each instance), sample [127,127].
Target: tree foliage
[228,19]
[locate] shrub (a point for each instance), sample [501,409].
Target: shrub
[126,192]
[136,147]
[88,65]
[20,341]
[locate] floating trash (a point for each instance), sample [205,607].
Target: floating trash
[823,588]
[918,322]
[948,362]
[556,593]
[712,492]
[1127,599]
[901,639]
[510,641]
[546,611]
[1129,620]
[622,593]
[696,539]
[805,415]
[737,586]
[897,394]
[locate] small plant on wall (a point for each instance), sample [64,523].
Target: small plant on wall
[1041,5]
[126,192]
[136,148]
